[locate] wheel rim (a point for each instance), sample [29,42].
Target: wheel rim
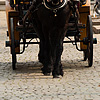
[85,55]
[13,45]
[90,39]
[97,10]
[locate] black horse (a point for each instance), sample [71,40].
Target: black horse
[50,21]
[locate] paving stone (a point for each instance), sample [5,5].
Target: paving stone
[96,29]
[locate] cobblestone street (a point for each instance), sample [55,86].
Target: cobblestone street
[28,83]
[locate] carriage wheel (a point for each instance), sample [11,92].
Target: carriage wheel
[90,41]
[85,55]
[97,8]
[13,45]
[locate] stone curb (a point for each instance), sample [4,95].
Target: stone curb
[96,29]
[96,21]
[2,5]
[2,2]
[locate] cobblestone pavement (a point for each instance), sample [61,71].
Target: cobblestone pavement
[28,83]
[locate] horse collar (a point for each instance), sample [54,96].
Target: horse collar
[54,8]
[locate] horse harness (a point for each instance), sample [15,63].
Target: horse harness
[54,8]
[49,6]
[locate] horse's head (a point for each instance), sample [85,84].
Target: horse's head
[55,2]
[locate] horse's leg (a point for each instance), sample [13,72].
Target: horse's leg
[41,56]
[44,56]
[58,70]
[47,61]
[56,41]
[38,29]
[44,49]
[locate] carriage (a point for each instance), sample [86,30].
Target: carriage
[79,28]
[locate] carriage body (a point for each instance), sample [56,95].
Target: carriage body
[84,11]
[15,13]
[18,11]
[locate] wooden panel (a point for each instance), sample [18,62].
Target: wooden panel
[10,12]
[84,12]
[14,15]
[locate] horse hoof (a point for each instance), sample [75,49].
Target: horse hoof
[41,61]
[46,74]
[62,73]
[55,76]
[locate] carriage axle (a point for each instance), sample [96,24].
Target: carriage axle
[17,43]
